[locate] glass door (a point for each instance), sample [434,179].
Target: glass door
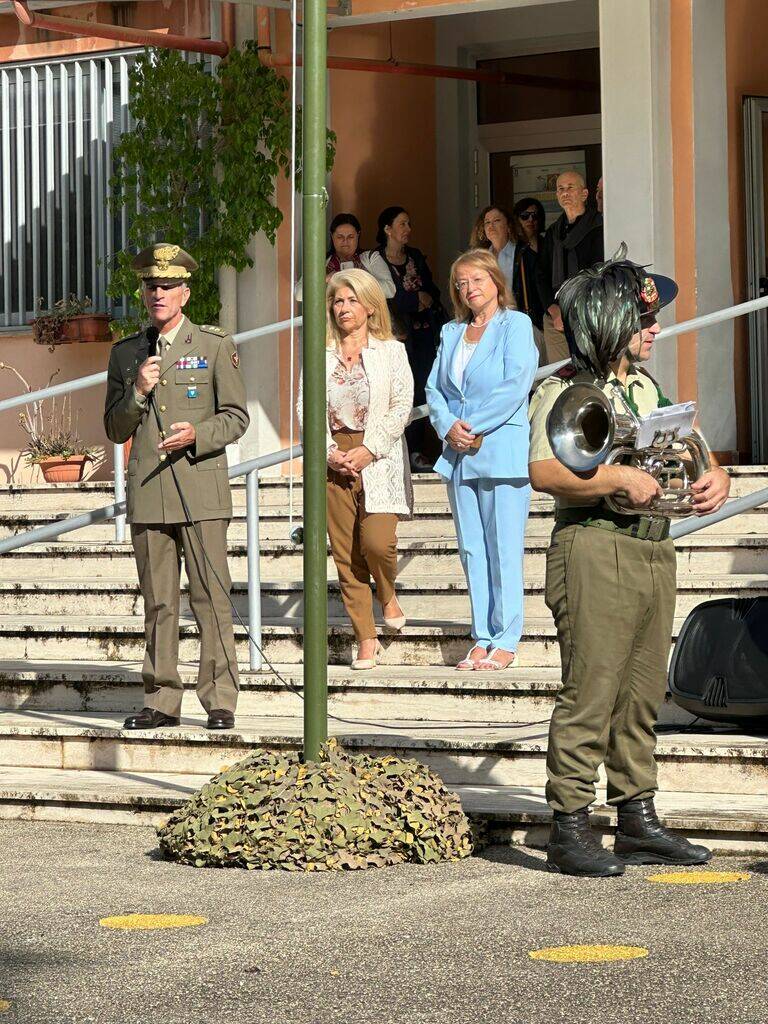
[756,173]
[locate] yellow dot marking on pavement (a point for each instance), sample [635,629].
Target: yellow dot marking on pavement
[4,1005]
[588,954]
[699,877]
[147,922]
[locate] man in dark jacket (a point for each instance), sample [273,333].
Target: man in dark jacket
[573,243]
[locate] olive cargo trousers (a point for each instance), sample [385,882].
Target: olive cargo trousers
[613,601]
[158,550]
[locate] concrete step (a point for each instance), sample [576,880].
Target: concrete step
[274,490]
[432,520]
[728,823]
[441,597]
[112,638]
[713,761]
[426,693]
[700,554]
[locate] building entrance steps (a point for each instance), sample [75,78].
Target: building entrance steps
[71,639]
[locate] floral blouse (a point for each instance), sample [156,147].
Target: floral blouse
[349,396]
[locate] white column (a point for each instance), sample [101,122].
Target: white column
[637,145]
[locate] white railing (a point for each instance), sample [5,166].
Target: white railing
[251,469]
[94,379]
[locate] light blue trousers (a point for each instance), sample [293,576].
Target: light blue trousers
[490,517]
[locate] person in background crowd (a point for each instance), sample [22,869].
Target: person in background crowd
[573,243]
[599,195]
[369,389]
[530,221]
[417,314]
[478,402]
[498,230]
[344,253]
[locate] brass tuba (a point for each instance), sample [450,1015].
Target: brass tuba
[585,431]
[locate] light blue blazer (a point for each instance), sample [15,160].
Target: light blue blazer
[493,397]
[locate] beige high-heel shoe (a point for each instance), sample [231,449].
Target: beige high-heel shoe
[361,664]
[396,622]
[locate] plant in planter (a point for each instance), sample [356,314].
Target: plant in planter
[70,320]
[53,440]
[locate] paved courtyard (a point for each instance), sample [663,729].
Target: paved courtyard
[408,945]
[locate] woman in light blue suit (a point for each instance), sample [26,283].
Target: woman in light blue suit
[478,403]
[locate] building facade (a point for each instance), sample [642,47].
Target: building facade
[653,95]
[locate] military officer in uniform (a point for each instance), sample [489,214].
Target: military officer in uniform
[178,489]
[610,585]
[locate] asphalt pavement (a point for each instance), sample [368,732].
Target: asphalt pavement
[447,944]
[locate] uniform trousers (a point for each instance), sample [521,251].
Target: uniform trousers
[158,549]
[555,345]
[363,544]
[613,601]
[490,518]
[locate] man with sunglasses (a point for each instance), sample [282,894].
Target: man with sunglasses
[610,585]
[176,391]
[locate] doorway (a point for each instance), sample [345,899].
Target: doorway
[756,190]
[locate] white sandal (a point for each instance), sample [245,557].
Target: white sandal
[488,664]
[468,664]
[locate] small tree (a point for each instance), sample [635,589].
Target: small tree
[203,157]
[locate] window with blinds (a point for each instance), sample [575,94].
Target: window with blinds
[59,122]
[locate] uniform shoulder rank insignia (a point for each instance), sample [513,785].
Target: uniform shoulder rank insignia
[212,329]
[235,359]
[566,372]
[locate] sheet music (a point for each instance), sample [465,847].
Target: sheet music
[674,420]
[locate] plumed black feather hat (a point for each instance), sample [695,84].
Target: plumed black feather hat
[601,309]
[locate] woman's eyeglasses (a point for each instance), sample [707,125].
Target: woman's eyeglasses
[529,215]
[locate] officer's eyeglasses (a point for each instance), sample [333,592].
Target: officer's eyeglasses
[647,320]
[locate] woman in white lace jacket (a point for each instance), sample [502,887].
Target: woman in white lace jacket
[369,388]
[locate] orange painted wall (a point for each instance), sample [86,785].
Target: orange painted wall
[681,90]
[746,39]
[386,130]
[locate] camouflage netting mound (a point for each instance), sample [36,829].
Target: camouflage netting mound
[340,812]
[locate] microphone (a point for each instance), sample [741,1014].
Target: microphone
[153,335]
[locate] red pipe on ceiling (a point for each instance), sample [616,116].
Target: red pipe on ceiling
[123,34]
[396,67]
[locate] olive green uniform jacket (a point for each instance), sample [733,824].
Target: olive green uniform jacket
[211,398]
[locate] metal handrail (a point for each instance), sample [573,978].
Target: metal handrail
[251,468]
[81,383]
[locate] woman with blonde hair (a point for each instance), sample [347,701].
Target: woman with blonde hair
[369,388]
[478,403]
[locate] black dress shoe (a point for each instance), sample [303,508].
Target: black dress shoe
[148,718]
[642,839]
[220,719]
[574,849]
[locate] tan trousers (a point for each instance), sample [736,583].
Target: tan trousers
[158,550]
[363,545]
[613,601]
[555,345]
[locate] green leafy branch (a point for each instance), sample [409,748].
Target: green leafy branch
[203,159]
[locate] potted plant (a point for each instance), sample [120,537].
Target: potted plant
[70,320]
[53,440]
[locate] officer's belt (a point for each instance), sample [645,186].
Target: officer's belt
[641,527]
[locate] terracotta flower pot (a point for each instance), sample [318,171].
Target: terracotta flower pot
[64,471]
[84,328]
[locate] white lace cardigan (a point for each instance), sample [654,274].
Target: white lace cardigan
[387,480]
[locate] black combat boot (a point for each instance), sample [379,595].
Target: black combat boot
[574,849]
[642,839]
